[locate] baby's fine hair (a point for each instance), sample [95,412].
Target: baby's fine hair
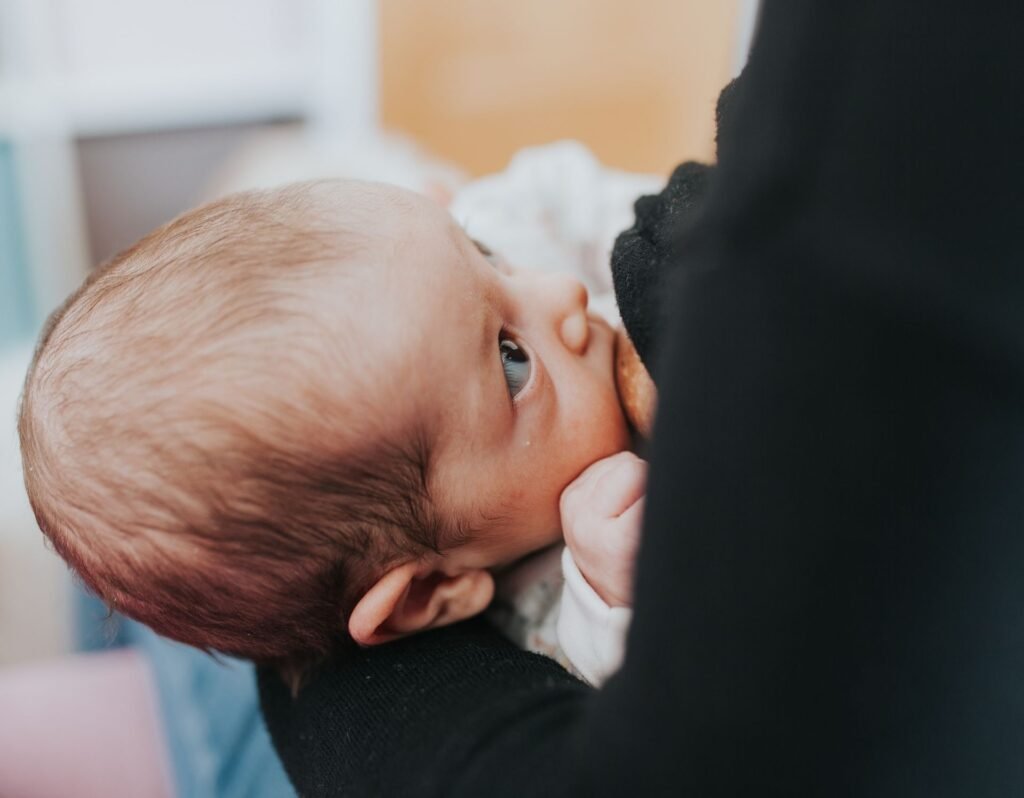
[195,441]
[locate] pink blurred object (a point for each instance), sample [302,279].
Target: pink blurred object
[82,727]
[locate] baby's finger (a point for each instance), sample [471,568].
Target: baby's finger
[578,494]
[618,488]
[631,522]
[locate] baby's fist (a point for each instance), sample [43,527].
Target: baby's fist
[602,511]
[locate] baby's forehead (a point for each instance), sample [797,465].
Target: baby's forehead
[414,264]
[373,234]
[423,320]
[383,205]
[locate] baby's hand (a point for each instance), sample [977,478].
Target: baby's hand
[601,514]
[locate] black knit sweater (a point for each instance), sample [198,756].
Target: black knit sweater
[829,597]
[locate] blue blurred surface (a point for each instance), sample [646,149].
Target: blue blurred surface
[218,744]
[17,316]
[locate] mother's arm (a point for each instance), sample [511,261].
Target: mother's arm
[828,596]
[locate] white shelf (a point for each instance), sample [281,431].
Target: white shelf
[111,104]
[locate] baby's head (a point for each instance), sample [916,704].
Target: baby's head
[295,413]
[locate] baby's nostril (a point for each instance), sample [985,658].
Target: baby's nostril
[584,297]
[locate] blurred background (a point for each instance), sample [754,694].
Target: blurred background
[116,115]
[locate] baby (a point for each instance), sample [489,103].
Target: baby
[321,409]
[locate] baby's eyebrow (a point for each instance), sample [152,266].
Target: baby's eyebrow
[481,247]
[485,250]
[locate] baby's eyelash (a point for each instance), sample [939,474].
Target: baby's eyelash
[515,363]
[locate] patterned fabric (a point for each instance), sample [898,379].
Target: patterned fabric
[527,602]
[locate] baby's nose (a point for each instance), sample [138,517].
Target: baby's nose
[568,297]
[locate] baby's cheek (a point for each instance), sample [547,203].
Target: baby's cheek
[609,427]
[597,430]
[532,492]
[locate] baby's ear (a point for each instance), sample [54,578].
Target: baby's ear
[413,597]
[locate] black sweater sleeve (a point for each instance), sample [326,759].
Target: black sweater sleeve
[829,598]
[646,255]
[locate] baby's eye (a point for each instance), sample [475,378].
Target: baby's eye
[516,364]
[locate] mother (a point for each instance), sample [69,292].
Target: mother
[828,594]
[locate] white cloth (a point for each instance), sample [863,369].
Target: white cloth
[592,635]
[557,209]
[545,605]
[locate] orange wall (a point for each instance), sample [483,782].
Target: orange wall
[475,80]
